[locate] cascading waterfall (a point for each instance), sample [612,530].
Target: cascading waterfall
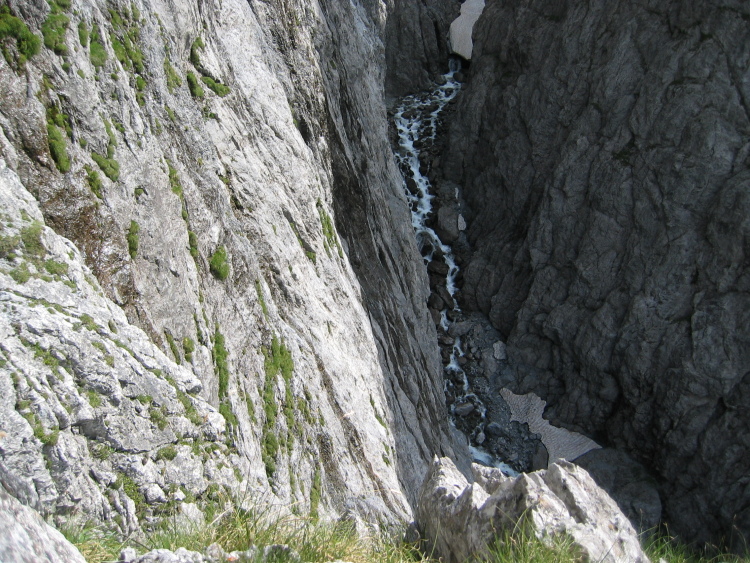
[417,118]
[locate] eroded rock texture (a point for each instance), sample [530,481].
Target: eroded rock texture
[29,539]
[603,150]
[461,519]
[223,170]
[416,43]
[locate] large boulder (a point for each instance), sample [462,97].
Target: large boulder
[26,538]
[460,518]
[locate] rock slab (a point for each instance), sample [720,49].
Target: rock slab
[26,538]
[604,160]
[461,519]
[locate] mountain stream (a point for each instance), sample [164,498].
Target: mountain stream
[417,118]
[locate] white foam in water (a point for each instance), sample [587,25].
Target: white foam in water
[485,458]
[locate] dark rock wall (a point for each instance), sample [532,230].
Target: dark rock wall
[416,43]
[603,149]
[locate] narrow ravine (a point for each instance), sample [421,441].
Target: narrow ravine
[417,119]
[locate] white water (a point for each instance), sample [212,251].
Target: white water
[416,123]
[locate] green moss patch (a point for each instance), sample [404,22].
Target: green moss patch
[133,238]
[218,263]
[217,87]
[55,27]
[27,43]
[194,86]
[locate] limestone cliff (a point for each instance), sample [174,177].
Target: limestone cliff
[256,311]
[603,153]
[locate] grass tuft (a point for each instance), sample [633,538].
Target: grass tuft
[218,263]
[133,238]
[27,43]
[194,86]
[220,361]
[218,88]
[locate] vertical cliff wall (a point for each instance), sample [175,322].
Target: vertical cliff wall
[603,152]
[416,44]
[223,168]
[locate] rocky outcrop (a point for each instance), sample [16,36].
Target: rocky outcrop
[604,158]
[95,421]
[29,539]
[461,519]
[253,306]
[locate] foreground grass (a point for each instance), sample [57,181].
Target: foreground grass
[237,529]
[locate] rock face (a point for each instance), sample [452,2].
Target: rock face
[416,44]
[461,519]
[628,483]
[237,298]
[94,418]
[29,539]
[603,154]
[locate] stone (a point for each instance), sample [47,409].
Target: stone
[499,351]
[460,519]
[181,555]
[154,494]
[447,224]
[26,538]
[463,409]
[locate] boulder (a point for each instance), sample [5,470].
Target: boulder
[26,538]
[460,519]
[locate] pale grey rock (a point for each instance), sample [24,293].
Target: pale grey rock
[190,516]
[26,538]
[154,494]
[603,155]
[181,555]
[82,388]
[499,351]
[460,518]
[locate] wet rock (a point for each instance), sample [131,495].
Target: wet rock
[447,224]
[463,409]
[494,429]
[461,519]
[438,267]
[435,302]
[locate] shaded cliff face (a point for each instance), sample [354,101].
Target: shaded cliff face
[416,44]
[224,169]
[603,152]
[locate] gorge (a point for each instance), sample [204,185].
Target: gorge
[211,285]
